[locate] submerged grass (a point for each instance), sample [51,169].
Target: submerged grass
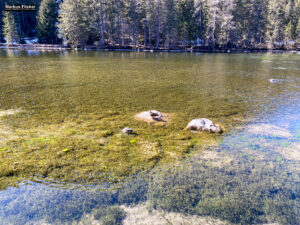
[84,150]
[241,192]
[71,108]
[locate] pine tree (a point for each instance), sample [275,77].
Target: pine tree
[1,21]
[26,22]
[276,19]
[170,20]
[133,15]
[288,33]
[225,23]
[78,21]
[47,19]
[150,19]
[187,22]
[212,22]
[9,28]
[298,32]
[258,23]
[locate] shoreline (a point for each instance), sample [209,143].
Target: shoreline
[49,47]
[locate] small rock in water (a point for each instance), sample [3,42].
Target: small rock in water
[276,80]
[127,130]
[156,115]
[204,124]
[280,68]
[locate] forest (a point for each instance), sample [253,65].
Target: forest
[156,24]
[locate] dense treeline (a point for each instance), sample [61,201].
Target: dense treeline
[160,23]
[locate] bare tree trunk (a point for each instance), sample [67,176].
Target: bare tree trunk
[118,22]
[157,25]
[134,36]
[168,39]
[214,30]
[150,41]
[102,24]
[122,33]
[145,34]
[201,22]
[163,36]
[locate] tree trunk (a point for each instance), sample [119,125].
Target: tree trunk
[118,23]
[157,25]
[169,39]
[102,24]
[134,36]
[145,35]
[150,41]
[163,36]
[201,23]
[122,33]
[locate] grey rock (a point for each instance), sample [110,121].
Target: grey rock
[204,124]
[278,81]
[127,130]
[156,115]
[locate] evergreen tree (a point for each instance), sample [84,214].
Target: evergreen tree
[150,19]
[134,19]
[276,21]
[170,20]
[26,21]
[78,20]
[1,20]
[212,22]
[47,19]
[9,28]
[222,23]
[242,18]
[187,22]
[225,23]
[258,23]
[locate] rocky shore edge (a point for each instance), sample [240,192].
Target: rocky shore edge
[139,49]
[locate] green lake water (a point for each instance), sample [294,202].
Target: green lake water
[64,160]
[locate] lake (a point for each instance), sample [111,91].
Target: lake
[64,159]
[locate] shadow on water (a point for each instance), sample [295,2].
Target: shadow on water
[251,177]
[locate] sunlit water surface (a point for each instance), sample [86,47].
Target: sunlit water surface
[64,161]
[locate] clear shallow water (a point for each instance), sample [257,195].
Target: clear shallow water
[251,176]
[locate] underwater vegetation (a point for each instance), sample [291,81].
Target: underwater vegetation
[113,215]
[61,121]
[62,113]
[235,192]
[84,150]
[240,192]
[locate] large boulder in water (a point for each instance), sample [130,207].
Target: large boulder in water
[204,124]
